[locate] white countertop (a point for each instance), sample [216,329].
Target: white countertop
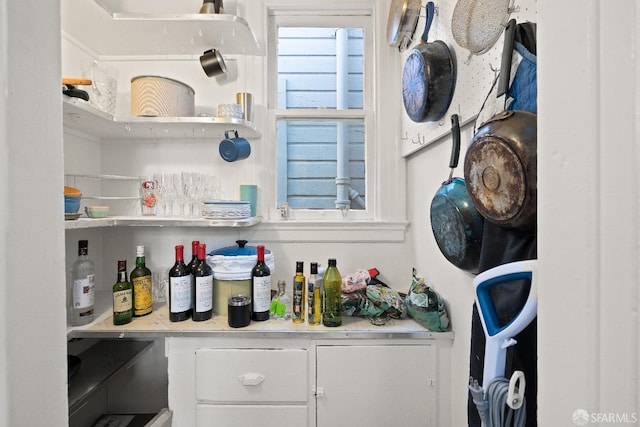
[157,324]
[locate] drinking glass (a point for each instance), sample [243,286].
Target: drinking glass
[178,194]
[164,182]
[189,185]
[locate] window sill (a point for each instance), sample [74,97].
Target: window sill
[329,231]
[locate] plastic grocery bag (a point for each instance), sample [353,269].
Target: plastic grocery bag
[426,306]
[374,301]
[387,299]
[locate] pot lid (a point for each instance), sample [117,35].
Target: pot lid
[240,250]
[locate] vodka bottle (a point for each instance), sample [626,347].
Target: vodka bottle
[82,295]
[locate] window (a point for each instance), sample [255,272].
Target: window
[320,89]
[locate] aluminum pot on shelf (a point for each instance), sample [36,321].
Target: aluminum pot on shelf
[156,96]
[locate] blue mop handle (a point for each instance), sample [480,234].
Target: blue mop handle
[499,338]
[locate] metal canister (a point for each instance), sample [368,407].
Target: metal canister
[239,311]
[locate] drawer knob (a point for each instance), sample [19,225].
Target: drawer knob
[251,378]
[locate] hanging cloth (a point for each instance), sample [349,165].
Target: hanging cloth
[523,92]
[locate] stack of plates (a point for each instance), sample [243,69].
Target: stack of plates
[225,209]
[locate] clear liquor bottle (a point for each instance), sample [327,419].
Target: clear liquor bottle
[281,303]
[82,295]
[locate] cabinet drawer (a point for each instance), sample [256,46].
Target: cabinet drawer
[251,415]
[251,375]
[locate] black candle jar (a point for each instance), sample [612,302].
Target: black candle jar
[239,311]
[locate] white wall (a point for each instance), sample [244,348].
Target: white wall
[426,171]
[588,329]
[33,361]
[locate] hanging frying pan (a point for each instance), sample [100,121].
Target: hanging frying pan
[428,78]
[402,22]
[500,168]
[476,25]
[457,226]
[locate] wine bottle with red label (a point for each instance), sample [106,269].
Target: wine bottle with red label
[203,295]
[179,288]
[260,288]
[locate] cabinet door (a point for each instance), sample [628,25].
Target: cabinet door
[376,385]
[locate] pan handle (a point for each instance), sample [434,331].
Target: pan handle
[507,55]
[430,11]
[455,149]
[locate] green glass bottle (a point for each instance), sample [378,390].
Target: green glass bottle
[122,296]
[332,282]
[141,280]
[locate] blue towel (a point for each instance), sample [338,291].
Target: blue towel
[524,88]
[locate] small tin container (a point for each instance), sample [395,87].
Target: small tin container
[239,311]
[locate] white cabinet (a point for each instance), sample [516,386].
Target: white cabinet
[266,387]
[376,385]
[302,381]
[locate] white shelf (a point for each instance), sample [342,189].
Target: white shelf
[112,33]
[80,116]
[155,221]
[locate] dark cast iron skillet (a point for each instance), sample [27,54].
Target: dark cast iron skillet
[428,78]
[457,226]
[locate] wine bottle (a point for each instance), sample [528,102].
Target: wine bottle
[179,288]
[260,288]
[314,300]
[192,266]
[83,287]
[194,255]
[202,298]
[141,280]
[122,296]
[299,293]
[332,281]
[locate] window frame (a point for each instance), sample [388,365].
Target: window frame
[385,167]
[325,19]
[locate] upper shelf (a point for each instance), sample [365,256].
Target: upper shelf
[78,115]
[112,33]
[155,221]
